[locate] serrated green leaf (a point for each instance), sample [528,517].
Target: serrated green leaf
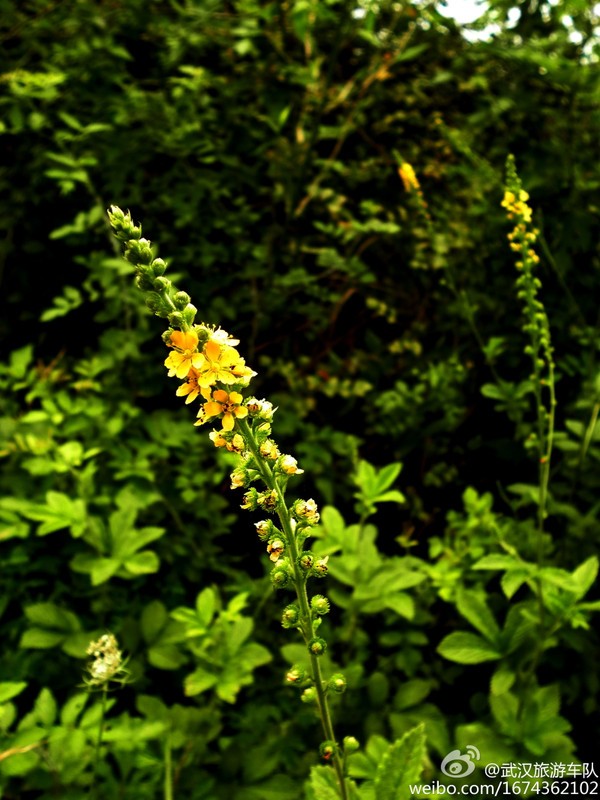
[401,766]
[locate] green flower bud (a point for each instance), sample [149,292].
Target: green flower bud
[295,675]
[351,744]
[337,683]
[155,303]
[143,282]
[122,224]
[317,646]
[158,267]
[161,284]
[327,749]
[181,299]
[176,320]
[166,336]
[291,615]
[320,605]
[138,251]
[189,313]
[309,695]
[280,577]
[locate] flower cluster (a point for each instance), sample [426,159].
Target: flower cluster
[107,662]
[522,239]
[412,186]
[210,370]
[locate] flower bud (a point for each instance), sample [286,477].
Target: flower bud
[176,320]
[317,646]
[250,500]
[181,299]
[309,695]
[306,511]
[155,303]
[267,500]
[337,683]
[288,465]
[143,282]
[351,744]
[320,568]
[158,267]
[320,605]
[295,675]
[239,478]
[161,284]
[290,616]
[122,224]
[189,313]
[268,449]
[306,560]
[327,750]
[138,251]
[264,528]
[280,577]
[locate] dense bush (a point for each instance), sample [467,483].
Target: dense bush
[264,146]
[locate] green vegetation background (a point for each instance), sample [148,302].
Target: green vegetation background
[259,144]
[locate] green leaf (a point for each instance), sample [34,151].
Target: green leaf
[467,648]
[473,607]
[153,621]
[45,708]
[40,639]
[401,766]
[10,689]
[144,563]
[206,604]
[322,784]
[199,681]
[585,575]
[512,580]
[401,603]
[59,512]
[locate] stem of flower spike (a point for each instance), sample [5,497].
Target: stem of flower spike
[306,626]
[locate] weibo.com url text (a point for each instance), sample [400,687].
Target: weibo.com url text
[506,789]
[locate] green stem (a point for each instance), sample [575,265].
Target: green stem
[93,786]
[307,626]
[168,768]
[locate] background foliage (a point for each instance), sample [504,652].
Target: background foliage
[259,143]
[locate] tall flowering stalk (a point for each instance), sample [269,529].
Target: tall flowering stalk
[522,239]
[211,371]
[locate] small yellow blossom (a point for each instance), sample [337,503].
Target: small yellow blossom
[409,179]
[185,356]
[289,465]
[268,449]
[226,404]
[275,549]
[190,390]
[218,364]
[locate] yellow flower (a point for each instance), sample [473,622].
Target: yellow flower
[226,404]
[190,390]
[218,364]
[409,179]
[185,356]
